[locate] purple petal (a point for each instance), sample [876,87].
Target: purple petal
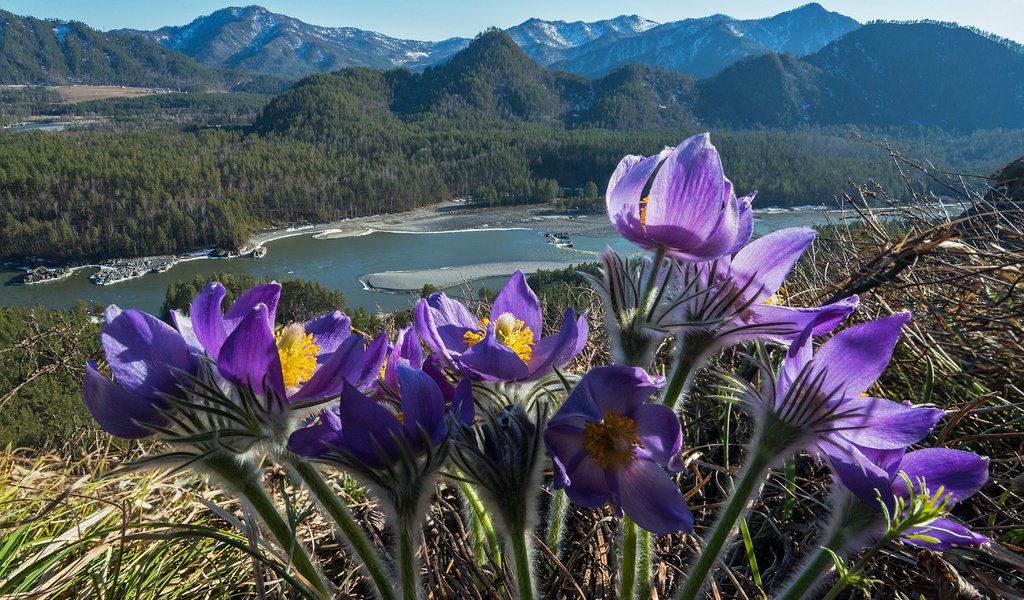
[493,361]
[408,350]
[144,352]
[659,431]
[866,480]
[767,261]
[652,499]
[267,294]
[442,323]
[366,425]
[517,299]
[581,477]
[118,411]
[207,318]
[616,388]
[688,193]
[366,370]
[783,324]
[884,424]
[949,534]
[422,405]
[855,358]
[184,325]
[329,331]
[329,377]
[315,440]
[557,350]
[432,367]
[958,472]
[249,356]
[625,188]
[463,407]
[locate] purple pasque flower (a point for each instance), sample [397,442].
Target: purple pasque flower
[878,477]
[749,293]
[369,434]
[299,362]
[820,402]
[147,358]
[608,445]
[507,345]
[690,212]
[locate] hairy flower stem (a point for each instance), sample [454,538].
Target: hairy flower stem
[693,347]
[760,460]
[522,565]
[407,568]
[647,304]
[556,521]
[243,480]
[851,523]
[643,565]
[353,533]
[481,524]
[627,578]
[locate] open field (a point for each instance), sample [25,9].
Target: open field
[73,94]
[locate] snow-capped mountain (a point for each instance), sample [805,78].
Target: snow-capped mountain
[256,39]
[705,46]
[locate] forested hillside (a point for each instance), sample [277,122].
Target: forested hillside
[490,125]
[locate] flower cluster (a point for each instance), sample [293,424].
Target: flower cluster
[483,398]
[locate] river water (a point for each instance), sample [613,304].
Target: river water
[339,263]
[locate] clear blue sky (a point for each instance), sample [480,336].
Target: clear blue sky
[432,20]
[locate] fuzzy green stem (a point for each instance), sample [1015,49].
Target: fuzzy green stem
[627,577]
[556,520]
[523,565]
[692,350]
[353,533]
[646,304]
[243,480]
[480,522]
[643,565]
[407,568]
[808,576]
[748,484]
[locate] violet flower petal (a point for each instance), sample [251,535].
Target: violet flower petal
[688,187]
[517,299]
[329,377]
[652,499]
[617,388]
[949,534]
[855,358]
[557,350]
[442,323]
[960,473]
[117,410]
[329,331]
[659,431]
[370,431]
[144,352]
[884,424]
[207,318]
[249,356]
[625,189]
[422,405]
[768,260]
[266,293]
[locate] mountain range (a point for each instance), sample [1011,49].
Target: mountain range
[805,66]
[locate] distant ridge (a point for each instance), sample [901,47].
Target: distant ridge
[885,74]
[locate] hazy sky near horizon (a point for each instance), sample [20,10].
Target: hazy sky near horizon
[434,20]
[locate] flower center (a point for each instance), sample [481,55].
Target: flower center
[612,442]
[643,211]
[777,299]
[509,331]
[298,354]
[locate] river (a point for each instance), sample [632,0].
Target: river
[339,263]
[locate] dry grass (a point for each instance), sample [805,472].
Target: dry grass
[73,94]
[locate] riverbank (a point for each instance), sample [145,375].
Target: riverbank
[407,282]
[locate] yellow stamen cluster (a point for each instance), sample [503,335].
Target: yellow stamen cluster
[298,352]
[777,299]
[612,442]
[643,211]
[509,331]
